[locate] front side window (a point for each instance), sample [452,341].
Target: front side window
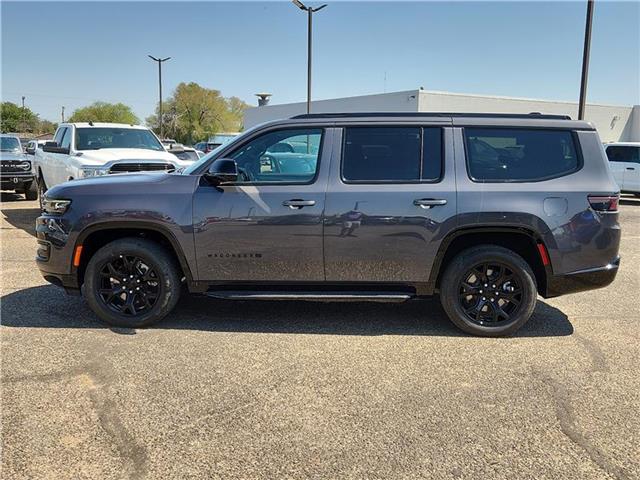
[519,155]
[96,138]
[392,154]
[66,139]
[283,156]
[625,154]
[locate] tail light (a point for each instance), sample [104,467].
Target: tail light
[604,203]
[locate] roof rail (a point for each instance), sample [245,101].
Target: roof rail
[431,114]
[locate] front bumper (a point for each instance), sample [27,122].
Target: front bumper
[579,281]
[55,252]
[13,181]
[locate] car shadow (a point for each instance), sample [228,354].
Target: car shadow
[49,307]
[21,218]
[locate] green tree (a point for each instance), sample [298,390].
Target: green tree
[16,119]
[45,126]
[194,113]
[105,112]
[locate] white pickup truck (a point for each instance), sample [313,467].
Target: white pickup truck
[80,150]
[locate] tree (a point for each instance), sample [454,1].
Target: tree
[16,119]
[45,126]
[194,113]
[105,112]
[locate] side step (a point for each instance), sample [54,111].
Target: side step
[386,297]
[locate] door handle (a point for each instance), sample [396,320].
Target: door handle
[429,202]
[630,168]
[297,203]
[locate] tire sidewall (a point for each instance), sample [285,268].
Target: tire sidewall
[151,254]
[460,267]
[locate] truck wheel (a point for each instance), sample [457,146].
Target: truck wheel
[132,282]
[31,192]
[488,291]
[42,189]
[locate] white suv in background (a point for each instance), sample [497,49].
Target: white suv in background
[80,150]
[624,162]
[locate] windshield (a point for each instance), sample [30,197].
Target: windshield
[97,138]
[195,165]
[9,144]
[187,155]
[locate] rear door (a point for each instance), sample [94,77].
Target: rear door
[391,193]
[267,227]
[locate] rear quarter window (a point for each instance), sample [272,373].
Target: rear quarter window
[520,155]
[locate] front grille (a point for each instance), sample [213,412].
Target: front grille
[141,167]
[11,166]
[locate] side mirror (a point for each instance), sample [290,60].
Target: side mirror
[52,147]
[31,150]
[223,170]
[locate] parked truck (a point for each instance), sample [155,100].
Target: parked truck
[80,150]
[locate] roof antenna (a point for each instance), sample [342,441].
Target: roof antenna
[91,123]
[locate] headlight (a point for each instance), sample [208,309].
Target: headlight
[24,165]
[93,171]
[55,207]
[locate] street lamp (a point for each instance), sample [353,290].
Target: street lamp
[160,60]
[310,11]
[585,61]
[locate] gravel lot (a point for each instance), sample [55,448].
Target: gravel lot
[300,390]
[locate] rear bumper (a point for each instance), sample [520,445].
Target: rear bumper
[579,281]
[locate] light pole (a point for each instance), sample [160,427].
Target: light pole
[585,60]
[160,60]
[310,11]
[24,128]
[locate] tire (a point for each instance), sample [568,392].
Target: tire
[42,189]
[31,192]
[474,302]
[108,271]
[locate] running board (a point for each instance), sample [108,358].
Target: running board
[386,297]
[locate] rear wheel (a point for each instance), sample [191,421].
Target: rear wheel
[489,291]
[132,282]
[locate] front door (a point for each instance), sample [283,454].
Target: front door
[624,162]
[390,194]
[268,225]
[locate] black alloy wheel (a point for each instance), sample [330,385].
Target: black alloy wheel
[128,285]
[490,293]
[488,290]
[132,282]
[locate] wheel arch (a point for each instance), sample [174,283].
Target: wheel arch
[95,237]
[521,240]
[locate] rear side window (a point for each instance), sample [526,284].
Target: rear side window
[392,154]
[623,154]
[519,155]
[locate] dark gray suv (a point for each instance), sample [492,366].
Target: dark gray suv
[488,211]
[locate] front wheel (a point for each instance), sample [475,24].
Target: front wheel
[31,192]
[488,291]
[42,189]
[132,282]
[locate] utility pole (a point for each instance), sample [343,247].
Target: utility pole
[63,114]
[585,60]
[24,126]
[310,11]
[160,60]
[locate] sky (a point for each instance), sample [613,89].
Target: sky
[75,53]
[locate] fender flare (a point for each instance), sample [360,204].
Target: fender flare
[138,225]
